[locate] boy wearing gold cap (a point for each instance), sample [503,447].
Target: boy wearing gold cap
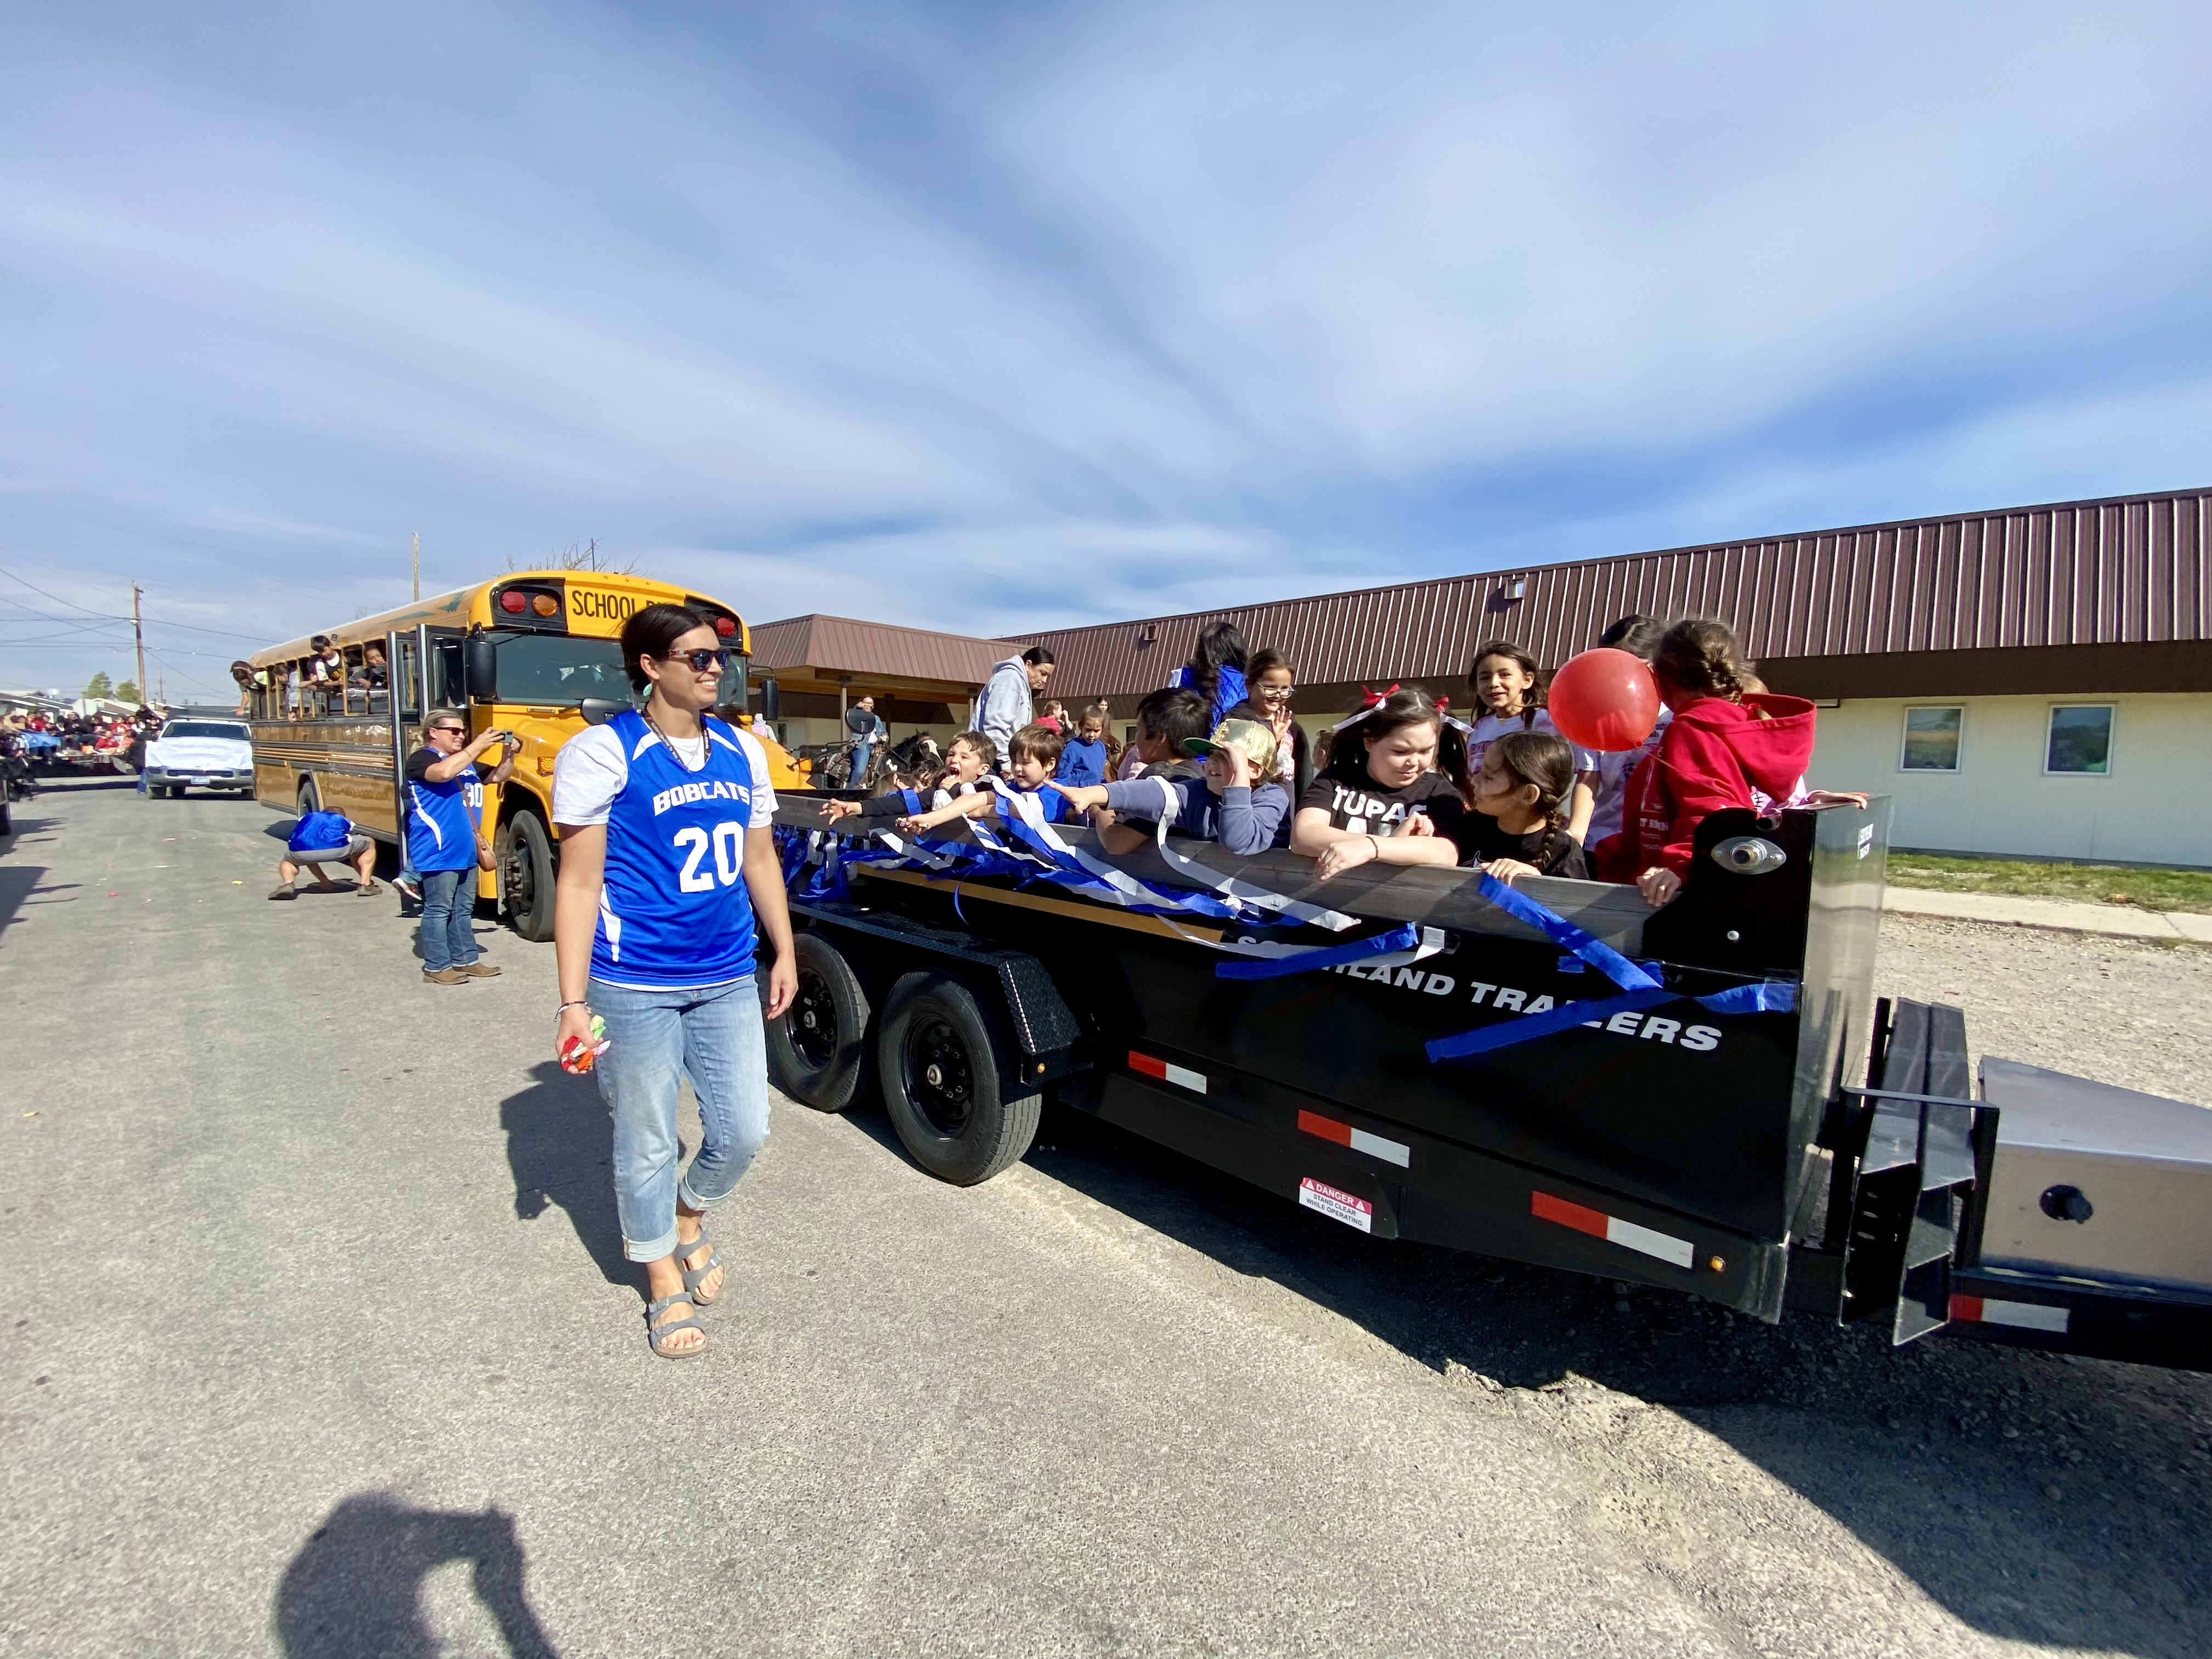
[1236,801]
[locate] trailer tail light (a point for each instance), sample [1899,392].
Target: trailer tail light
[1390,1152]
[1181,1076]
[1677,1252]
[2026,1316]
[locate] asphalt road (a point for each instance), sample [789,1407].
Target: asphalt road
[321,1344]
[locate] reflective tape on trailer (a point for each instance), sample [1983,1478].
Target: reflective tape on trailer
[1182,1077]
[1390,1152]
[1677,1252]
[2026,1316]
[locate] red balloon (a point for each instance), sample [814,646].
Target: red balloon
[1604,699]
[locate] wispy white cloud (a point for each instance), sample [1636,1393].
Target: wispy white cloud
[1016,316]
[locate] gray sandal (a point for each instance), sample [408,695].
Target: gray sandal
[656,1335]
[693,1276]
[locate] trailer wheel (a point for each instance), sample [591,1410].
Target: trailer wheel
[817,1053]
[523,855]
[939,1056]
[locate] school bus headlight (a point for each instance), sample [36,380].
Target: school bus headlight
[545,604]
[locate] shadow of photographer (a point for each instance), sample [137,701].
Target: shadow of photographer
[353,1591]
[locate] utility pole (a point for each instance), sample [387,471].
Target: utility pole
[418,564]
[138,633]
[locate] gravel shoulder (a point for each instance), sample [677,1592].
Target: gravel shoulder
[2136,1014]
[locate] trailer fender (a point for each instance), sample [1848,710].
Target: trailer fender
[882,947]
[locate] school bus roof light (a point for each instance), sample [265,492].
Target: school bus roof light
[545,604]
[513,601]
[725,625]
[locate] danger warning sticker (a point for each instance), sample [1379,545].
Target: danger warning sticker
[1335,1205]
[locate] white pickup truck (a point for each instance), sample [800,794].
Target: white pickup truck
[200,754]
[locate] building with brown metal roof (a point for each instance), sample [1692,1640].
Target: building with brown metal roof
[2036,680]
[821,664]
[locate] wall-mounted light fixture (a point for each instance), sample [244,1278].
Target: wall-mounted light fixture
[1149,634]
[1514,586]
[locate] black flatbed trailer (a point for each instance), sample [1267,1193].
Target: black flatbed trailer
[1813,1152]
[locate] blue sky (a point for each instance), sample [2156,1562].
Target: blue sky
[990,316]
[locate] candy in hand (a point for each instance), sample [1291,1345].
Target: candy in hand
[577,1053]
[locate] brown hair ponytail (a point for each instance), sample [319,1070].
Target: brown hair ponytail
[1703,658]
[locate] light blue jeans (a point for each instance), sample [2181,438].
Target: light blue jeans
[449,912]
[713,1034]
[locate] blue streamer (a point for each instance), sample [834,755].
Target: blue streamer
[1405,938]
[1771,996]
[1564,935]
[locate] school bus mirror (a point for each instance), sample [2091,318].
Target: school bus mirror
[482,668]
[771,706]
[598,711]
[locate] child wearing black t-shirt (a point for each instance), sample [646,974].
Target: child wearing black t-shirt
[1396,771]
[1517,823]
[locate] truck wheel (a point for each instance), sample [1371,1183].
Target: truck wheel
[525,857]
[939,1057]
[817,1053]
[311,800]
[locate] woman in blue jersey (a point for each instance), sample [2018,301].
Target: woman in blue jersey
[668,868]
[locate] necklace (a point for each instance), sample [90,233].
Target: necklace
[669,744]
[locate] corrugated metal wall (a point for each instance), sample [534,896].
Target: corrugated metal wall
[2111,571]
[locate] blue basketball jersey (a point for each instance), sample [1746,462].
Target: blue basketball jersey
[674,911]
[442,818]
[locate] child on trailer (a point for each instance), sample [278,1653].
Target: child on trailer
[1726,746]
[1090,755]
[1234,801]
[1396,760]
[967,760]
[1508,697]
[1517,825]
[1032,753]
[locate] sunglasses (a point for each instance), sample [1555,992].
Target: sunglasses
[701,661]
[452,731]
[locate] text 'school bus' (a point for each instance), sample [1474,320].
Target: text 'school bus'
[1705,1098]
[534,652]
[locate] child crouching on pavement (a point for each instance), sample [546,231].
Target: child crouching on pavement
[1234,801]
[1032,754]
[968,761]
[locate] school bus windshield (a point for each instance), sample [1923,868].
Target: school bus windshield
[560,668]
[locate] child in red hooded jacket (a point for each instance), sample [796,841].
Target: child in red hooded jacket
[1724,743]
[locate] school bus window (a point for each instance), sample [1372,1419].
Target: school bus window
[560,668]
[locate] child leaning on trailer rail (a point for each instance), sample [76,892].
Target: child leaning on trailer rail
[1728,746]
[1396,760]
[1235,800]
[1032,754]
[967,760]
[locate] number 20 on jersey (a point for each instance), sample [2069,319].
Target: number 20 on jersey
[728,842]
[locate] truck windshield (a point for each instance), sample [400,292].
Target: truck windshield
[560,668]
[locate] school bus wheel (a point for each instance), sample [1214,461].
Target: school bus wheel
[961,1114]
[524,854]
[820,1052]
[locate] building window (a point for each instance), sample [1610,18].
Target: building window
[1932,740]
[2081,738]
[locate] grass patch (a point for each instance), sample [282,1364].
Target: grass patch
[2100,883]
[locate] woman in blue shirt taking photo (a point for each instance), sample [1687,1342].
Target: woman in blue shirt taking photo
[668,871]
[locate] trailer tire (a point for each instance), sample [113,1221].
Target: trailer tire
[820,1051]
[524,857]
[938,1052]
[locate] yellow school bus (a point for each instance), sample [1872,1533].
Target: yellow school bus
[532,652]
